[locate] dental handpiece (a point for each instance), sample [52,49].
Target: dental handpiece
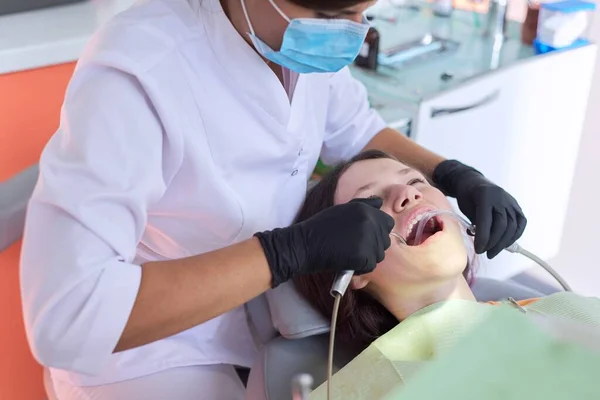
[342,280]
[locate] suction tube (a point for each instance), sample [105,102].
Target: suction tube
[514,248]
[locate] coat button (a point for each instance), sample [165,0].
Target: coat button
[295,172]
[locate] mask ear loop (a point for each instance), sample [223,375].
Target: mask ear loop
[243,2]
[276,7]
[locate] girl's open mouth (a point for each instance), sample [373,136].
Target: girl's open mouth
[433,226]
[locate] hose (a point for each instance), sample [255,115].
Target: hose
[334,314]
[514,248]
[338,289]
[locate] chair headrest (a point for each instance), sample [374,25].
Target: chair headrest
[292,315]
[295,318]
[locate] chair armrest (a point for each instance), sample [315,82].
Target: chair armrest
[282,359]
[14,197]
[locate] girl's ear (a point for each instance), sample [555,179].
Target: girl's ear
[359,282]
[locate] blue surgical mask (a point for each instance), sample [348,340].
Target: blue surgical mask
[313,45]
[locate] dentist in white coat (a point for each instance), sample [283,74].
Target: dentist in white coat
[188,133]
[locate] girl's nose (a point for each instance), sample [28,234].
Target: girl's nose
[405,196]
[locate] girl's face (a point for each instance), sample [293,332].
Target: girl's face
[406,196]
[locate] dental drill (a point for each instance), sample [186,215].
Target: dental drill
[342,280]
[338,289]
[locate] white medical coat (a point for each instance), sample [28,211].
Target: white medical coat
[175,139]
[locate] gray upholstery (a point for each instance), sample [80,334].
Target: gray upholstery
[527,279]
[304,321]
[486,289]
[259,320]
[14,196]
[281,359]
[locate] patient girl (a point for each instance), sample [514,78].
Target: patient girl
[410,277]
[400,303]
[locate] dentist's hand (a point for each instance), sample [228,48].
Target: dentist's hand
[351,236]
[497,216]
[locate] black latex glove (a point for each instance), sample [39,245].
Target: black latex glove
[351,236]
[497,216]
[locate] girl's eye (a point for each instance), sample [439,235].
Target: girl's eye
[326,16]
[415,181]
[374,196]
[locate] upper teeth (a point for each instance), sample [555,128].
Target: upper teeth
[413,223]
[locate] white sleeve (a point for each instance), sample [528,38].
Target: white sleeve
[351,122]
[98,175]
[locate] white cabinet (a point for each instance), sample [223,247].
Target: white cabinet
[521,127]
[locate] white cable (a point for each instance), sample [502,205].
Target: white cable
[334,314]
[338,289]
[516,248]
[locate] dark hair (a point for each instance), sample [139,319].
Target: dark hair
[327,5]
[361,318]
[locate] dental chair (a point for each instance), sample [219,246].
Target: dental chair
[297,340]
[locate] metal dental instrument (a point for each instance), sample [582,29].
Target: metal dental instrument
[517,305]
[514,248]
[338,289]
[301,386]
